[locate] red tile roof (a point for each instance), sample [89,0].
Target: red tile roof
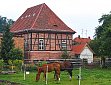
[40,18]
[77,49]
[82,40]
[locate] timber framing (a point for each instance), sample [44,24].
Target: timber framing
[52,41]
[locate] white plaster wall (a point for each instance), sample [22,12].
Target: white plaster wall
[87,54]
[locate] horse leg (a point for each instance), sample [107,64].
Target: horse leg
[55,75]
[58,75]
[44,75]
[37,76]
[70,74]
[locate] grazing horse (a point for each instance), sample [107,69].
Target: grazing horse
[66,65]
[48,68]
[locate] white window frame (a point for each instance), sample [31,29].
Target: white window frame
[64,45]
[41,44]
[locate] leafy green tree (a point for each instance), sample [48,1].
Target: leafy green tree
[102,41]
[94,44]
[7,44]
[4,21]
[104,35]
[16,53]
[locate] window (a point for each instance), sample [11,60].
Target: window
[41,44]
[34,14]
[63,45]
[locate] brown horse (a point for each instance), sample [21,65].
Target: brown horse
[48,68]
[66,65]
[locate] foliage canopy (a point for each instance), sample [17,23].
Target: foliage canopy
[102,39]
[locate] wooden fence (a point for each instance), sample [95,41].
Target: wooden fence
[76,62]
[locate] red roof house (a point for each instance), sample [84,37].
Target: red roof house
[80,40]
[45,35]
[82,49]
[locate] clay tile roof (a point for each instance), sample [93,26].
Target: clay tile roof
[40,18]
[82,40]
[77,49]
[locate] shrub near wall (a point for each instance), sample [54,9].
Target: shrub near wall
[15,65]
[1,65]
[31,67]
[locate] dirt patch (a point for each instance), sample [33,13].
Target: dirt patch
[5,82]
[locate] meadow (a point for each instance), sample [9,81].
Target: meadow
[89,77]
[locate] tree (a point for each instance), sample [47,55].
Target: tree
[7,44]
[94,44]
[16,53]
[102,40]
[4,21]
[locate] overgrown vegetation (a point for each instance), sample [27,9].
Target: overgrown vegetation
[8,53]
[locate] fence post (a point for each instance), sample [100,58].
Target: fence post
[24,71]
[79,75]
[47,75]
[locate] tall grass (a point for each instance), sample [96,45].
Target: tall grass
[89,77]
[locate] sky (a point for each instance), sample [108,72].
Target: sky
[80,15]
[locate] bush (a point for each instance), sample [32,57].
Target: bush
[65,55]
[31,67]
[40,63]
[15,65]
[1,65]
[18,64]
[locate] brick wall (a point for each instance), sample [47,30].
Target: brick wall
[44,55]
[34,54]
[19,42]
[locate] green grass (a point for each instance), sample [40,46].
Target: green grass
[89,77]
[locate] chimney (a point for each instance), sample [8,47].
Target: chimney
[78,36]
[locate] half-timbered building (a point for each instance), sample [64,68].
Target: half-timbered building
[41,33]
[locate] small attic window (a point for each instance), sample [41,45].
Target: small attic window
[34,14]
[22,17]
[26,16]
[55,25]
[29,15]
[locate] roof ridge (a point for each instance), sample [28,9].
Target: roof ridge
[37,16]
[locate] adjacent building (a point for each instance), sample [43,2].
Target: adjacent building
[82,50]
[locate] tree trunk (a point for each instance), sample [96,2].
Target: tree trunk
[103,62]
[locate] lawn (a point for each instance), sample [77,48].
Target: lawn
[89,77]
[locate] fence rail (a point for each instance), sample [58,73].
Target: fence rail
[76,62]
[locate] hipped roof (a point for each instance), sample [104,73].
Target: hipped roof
[40,18]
